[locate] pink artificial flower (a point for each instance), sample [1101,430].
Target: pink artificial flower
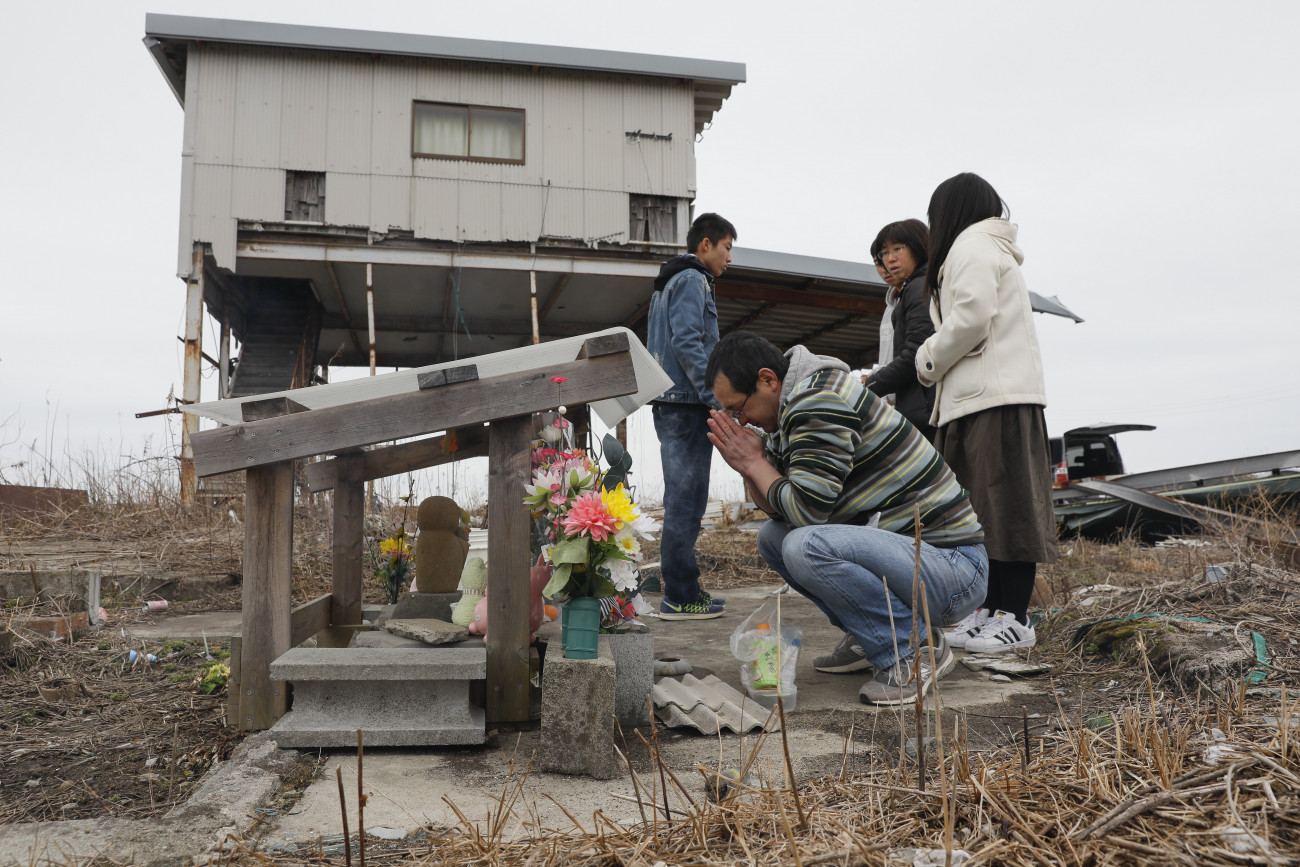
[559,379]
[588,515]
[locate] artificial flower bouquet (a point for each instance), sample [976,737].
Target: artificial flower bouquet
[589,528]
[394,564]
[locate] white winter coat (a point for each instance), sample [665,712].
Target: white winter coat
[984,352]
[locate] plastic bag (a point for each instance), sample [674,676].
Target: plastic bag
[752,643]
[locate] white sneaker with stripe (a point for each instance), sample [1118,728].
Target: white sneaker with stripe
[1003,632]
[969,627]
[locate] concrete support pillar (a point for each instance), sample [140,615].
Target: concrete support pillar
[192,375]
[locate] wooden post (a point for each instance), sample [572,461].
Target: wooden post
[349,529]
[192,374]
[508,537]
[267,584]
[223,362]
[370,319]
[532,302]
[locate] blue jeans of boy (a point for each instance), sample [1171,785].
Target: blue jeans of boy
[686,453]
[841,567]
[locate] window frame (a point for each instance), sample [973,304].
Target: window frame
[469,133]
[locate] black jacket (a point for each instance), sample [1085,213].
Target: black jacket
[912,326]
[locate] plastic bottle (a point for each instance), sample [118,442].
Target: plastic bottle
[767,667]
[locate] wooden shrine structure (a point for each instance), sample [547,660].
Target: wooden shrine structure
[490,416]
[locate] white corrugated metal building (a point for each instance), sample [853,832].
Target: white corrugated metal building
[353,197]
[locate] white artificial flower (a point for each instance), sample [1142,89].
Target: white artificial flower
[552,434]
[623,575]
[639,605]
[627,543]
[644,526]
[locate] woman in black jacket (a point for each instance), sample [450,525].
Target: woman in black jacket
[903,249]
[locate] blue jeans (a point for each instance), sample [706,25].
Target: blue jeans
[686,453]
[839,567]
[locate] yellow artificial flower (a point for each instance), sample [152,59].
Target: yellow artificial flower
[619,505]
[393,546]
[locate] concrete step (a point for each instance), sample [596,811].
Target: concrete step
[397,696]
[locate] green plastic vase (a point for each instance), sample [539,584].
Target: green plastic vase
[580,627]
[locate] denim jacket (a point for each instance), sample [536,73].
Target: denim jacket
[683,329]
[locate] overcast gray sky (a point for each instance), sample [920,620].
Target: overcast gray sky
[1148,152]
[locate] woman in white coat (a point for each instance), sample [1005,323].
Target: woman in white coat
[989,400]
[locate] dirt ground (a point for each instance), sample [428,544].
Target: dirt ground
[85,733]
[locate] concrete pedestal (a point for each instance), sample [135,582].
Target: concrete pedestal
[578,715]
[634,676]
[397,696]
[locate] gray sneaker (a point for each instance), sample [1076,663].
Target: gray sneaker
[900,682]
[847,656]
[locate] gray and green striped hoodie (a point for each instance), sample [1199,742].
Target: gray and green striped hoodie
[846,455]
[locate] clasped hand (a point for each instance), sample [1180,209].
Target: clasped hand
[740,447]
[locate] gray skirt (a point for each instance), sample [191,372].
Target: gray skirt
[1000,456]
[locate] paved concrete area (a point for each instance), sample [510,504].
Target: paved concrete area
[414,788]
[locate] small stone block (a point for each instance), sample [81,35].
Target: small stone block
[380,638]
[578,716]
[420,606]
[427,629]
[6,641]
[448,376]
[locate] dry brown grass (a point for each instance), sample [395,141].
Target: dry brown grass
[1213,782]
[1144,770]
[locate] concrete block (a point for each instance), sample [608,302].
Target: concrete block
[578,716]
[397,696]
[380,663]
[25,584]
[634,678]
[389,714]
[187,588]
[422,606]
[427,630]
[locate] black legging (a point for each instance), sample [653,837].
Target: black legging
[1011,584]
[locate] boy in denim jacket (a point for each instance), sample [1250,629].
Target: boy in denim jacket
[683,329]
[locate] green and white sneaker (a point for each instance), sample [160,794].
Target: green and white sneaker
[702,608]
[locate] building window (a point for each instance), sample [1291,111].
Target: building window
[443,130]
[653,219]
[304,196]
